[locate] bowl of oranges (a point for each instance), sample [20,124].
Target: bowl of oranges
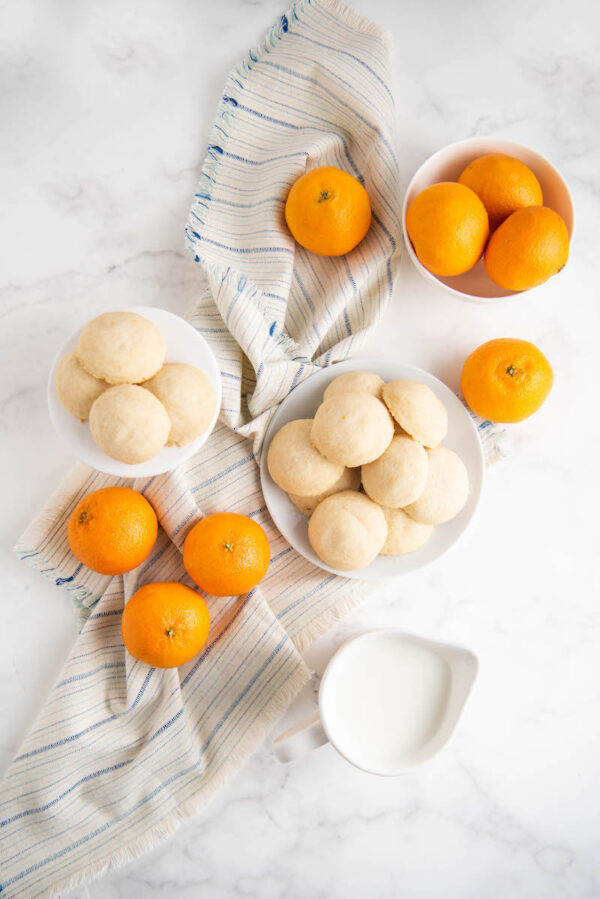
[487,219]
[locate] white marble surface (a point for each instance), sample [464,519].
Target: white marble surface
[105,111]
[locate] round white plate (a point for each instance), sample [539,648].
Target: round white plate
[184,344]
[462,437]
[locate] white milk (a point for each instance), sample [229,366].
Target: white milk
[384,699]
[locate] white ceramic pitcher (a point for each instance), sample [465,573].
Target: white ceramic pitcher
[420,722]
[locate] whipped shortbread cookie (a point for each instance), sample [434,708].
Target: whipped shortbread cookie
[350,480]
[129,423]
[294,463]
[404,534]
[355,382]
[347,530]
[417,410]
[352,429]
[397,477]
[446,490]
[189,398]
[75,387]
[121,348]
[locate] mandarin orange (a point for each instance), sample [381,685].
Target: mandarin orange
[328,211]
[226,554]
[528,247]
[165,624]
[503,184]
[112,530]
[506,379]
[448,226]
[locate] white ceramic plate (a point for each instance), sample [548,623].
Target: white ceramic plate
[462,437]
[446,165]
[184,344]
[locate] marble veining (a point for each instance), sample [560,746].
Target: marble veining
[106,116]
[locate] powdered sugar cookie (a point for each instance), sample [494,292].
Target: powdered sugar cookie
[294,463]
[129,423]
[75,387]
[352,429]
[350,480]
[417,409]
[404,534]
[189,398]
[446,490]
[398,476]
[347,530]
[121,348]
[355,382]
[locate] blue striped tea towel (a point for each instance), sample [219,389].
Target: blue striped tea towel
[122,753]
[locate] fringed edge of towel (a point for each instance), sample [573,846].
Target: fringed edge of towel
[212,161]
[169,825]
[83,596]
[356,592]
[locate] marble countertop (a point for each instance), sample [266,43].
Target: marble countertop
[106,110]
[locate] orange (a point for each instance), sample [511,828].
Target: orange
[226,554]
[503,184]
[506,379]
[448,227]
[528,247]
[328,211]
[165,624]
[112,530]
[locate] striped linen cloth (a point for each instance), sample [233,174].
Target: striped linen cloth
[122,753]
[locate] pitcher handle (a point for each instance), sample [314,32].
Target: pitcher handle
[299,739]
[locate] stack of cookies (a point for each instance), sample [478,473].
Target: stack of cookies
[136,404]
[369,469]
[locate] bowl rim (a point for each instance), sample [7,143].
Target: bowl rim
[464,143]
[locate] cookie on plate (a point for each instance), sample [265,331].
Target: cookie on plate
[347,530]
[75,387]
[446,490]
[355,382]
[352,429]
[404,534]
[121,348]
[189,398]
[294,463]
[417,409]
[398,476]
[350,480]
[129,423]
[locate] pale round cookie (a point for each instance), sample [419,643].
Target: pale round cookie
[189,398]
[350,480]
[352,429]
[75,387]
[347,530]
[446,490]
[121,348]
[128,423]
[404,534]
[294,463]
[417,409]
[355,382]
[397,477]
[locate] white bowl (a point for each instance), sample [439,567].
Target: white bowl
[446,165]
[462,437]
[184,344]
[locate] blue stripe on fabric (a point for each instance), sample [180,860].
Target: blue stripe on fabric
[99,830]
[312,40]
[84,675]
[242,250]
